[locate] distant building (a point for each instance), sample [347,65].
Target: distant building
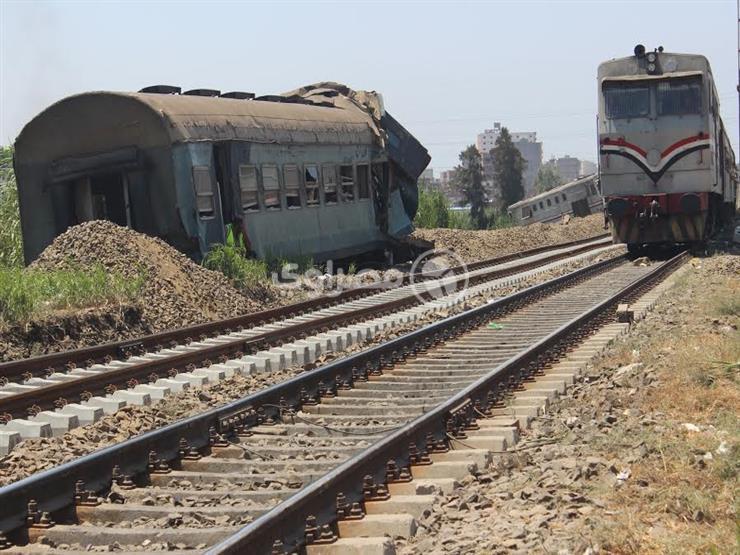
[527,144]
[587,167]
[568,167]
[427,175]
[447,186]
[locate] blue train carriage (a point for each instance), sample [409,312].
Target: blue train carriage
[578,198]
[667,169]
[322,171]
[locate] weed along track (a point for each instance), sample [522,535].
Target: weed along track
[39,398]
[335,459]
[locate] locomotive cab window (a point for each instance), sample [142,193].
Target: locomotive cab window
[679,97]
[626,101]
[330,184]
[204,197]
[363,181]
[347,182]
[311,178]
[271,187]
[248,187]
[292,186]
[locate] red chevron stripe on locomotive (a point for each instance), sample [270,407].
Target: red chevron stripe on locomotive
[668,157]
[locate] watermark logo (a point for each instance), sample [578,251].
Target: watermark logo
[432,275]
[438,273]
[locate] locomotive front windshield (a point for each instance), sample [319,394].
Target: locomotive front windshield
[627,101]
[679,97]
[673,97]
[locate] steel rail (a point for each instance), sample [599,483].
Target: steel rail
[285,523]
[53,489]
[87,356]
[45,397]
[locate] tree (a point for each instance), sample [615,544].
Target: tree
[547,178]
[433,209]
[469,181]
[508,166]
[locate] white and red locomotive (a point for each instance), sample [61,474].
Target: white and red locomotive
[667,170]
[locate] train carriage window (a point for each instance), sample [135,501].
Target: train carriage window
[248,187]
[557,199]
[679,97]
[363,181]
[329,174]
[626,101]
[271,186]
[526,212]
[542,206]
[347,181]
[291,178]
[204,197]
[549,202]
[534,207]
[564,197]
[311,178]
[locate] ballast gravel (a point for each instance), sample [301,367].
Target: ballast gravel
[35,455]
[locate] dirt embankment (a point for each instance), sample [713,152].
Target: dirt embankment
[473,245]
[642,456]
[175,292]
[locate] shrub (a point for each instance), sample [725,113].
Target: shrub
[433,210]
[11,242]
[231,260]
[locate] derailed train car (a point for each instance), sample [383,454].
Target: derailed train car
[322,171]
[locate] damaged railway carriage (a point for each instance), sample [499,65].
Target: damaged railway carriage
[667,170]
[322,171]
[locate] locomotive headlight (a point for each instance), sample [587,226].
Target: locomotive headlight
[651,57]
[651,68]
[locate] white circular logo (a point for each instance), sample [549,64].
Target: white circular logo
[433,274]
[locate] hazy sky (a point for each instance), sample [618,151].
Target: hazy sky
[446,70]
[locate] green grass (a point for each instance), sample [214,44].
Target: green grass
[231,261]
[11,243]
[27,293]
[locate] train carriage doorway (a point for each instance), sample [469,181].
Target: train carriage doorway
[103,197]
[580,208]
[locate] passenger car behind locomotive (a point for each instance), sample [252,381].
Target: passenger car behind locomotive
[323,171]
[667,170]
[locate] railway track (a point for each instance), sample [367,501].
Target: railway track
[354,448]
[59,401]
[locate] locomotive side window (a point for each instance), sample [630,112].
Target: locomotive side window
[330,184]
[311,177]
[204,191]
[363,181]
[632,101]
[248,187]
[292,186]
[271,186]
[347,180]
[679,97]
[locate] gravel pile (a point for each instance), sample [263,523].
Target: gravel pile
[473,245]
[176,290]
